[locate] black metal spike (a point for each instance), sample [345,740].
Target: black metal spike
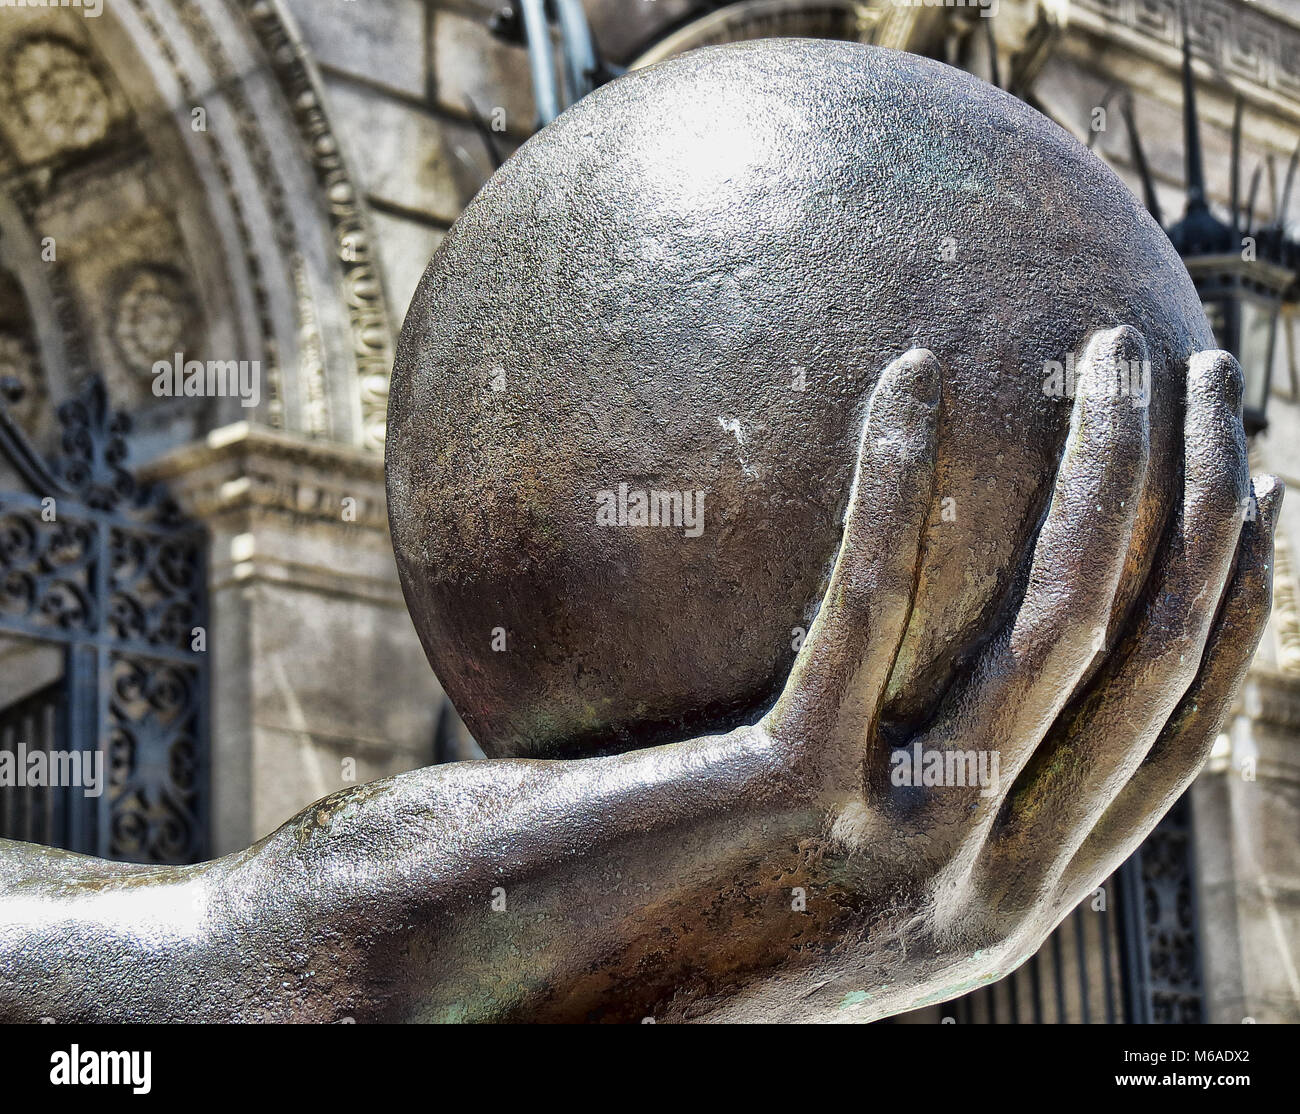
[1236,164]
[1191,128]
[1140,159]
[992,41]
[485,133]
[1286,189]
[1111,93]
[1250,205]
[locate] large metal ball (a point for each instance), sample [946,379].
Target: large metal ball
[690,283]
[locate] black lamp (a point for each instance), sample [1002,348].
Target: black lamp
[1241,275]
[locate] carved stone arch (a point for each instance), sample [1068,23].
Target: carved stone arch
[85,211]
[248,242]
[20,360]
[261,146]
[39,329]
[371,325]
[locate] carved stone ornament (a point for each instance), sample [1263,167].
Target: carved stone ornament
[153,317]
[58,94]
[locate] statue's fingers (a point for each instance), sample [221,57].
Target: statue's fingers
[1186,740]
[1019,684]
[1074,777]
[835,688]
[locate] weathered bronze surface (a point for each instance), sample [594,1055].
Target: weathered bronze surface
[650,278]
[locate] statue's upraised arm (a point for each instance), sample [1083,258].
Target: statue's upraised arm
[799,868]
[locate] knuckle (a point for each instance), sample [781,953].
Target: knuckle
[1123,345]
[1216,376]
[1128,341]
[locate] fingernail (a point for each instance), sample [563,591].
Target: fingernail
[917,372]
[1123,341]
[1218,371]
[1269,492]
[1113,362]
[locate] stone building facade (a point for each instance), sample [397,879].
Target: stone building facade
[264,180]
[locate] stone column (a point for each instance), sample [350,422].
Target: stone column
[318,678]
[1247,810]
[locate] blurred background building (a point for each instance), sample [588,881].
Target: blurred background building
[209,596]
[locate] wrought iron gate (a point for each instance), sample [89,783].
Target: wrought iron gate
[106,576]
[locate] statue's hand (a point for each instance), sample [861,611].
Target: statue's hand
[659,882]
[1080,727]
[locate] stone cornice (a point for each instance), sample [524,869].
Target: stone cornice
[1274,699]
[1256,51]
[248,468]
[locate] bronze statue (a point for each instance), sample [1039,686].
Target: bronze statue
[774,337]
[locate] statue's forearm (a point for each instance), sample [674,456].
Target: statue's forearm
[561,889]
[479,890]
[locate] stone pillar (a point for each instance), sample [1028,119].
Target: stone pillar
[1247,811]
[318,678]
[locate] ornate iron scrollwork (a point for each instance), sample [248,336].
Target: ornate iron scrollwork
[1164,980]
[109,570]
